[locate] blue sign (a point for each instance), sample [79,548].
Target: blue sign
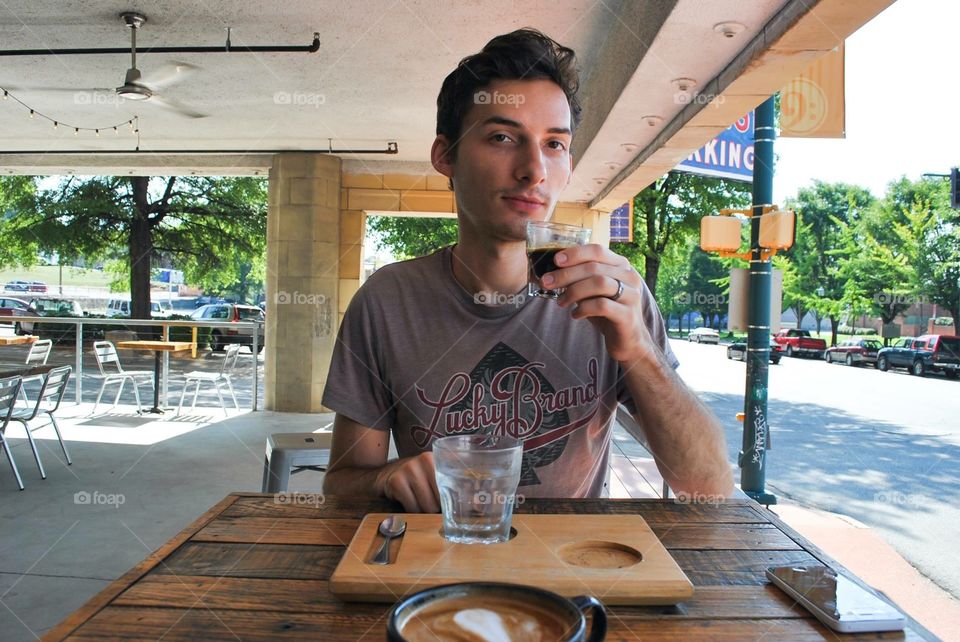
[621,223]
[729,155]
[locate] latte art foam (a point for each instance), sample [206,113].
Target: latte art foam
[485,619]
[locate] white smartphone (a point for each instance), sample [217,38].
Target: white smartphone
[836,600]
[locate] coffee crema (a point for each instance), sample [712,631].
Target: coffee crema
[483,619]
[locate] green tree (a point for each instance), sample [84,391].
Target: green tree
[669,210]
[409,237]
[15,190]
[707,280]
[823,210]
[205,222]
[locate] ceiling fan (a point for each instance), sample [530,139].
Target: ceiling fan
[136,87]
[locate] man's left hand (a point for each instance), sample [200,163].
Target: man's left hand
[590,274]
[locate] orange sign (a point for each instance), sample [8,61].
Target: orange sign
[812,104]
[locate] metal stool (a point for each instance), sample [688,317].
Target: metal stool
[291,452]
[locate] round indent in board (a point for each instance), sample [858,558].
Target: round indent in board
[599,554]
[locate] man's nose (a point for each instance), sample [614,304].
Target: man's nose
[531,167]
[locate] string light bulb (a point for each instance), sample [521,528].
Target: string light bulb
[56,125]
[31,114]
[76,131]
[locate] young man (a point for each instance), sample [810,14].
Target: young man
[421,355]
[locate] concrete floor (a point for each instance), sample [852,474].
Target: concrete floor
[144,486]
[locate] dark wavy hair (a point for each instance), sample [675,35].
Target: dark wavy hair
[524,54]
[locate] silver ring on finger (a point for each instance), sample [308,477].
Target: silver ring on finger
[619,290]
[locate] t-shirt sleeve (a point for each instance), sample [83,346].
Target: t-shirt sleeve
[658,331]
[355,386]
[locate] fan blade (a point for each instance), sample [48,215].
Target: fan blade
[168,73]
[175,106]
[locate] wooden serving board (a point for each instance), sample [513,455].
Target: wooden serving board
[616,558]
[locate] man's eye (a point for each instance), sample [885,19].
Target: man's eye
[500,137]
[558,144]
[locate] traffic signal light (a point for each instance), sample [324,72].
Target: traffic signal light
[955,188]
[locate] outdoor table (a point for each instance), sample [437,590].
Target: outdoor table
[17,340]
[255,567]
[25,371]
[158,348]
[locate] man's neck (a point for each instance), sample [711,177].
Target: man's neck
[494,268]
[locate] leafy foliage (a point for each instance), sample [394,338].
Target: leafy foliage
[669,211]
[409,237]
[213,227]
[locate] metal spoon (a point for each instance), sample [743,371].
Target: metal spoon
[391,527]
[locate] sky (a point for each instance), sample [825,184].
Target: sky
[903,105]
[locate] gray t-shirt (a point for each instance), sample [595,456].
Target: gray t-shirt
[417,355]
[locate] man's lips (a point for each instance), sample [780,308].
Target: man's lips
[524,202]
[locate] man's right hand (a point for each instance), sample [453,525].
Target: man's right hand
[412,482]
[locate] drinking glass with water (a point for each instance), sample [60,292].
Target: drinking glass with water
[477,476]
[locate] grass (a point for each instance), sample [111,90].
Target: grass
[50,274]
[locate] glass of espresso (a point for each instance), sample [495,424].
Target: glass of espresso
[544,240]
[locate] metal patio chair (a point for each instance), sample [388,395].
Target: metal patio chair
[9,389]
[112,372]
[38,355]
[231,354]
[51,394]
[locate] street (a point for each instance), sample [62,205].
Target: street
[881,447]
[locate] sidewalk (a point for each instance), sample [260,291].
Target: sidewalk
[851,543]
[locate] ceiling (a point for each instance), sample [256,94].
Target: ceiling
[376,75]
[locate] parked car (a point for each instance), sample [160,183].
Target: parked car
[738,351]
[37,286]
[56,307]
[17,286]
[925,354]
[120,307]
[13,307]
[800,343]
[704,335]
[51,306]
[235,313]
[854,352]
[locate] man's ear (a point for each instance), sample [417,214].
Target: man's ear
[440,156]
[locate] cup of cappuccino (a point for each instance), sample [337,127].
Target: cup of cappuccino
[495,612]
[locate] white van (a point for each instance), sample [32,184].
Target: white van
[121,308]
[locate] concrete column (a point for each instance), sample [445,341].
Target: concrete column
[303,256]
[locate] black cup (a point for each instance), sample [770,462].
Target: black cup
[573,610]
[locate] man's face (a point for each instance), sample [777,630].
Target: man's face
[513,157]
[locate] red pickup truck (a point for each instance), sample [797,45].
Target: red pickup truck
[799,342]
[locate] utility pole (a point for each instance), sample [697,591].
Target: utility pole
[756,430]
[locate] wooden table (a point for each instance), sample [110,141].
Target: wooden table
[255,569]
[17,340]
[158,348]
